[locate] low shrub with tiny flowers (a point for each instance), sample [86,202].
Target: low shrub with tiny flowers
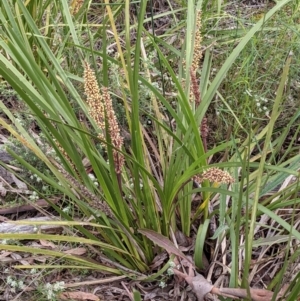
[52,290]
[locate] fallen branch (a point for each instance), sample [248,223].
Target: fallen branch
[25,208]
[201,287]
[8,227]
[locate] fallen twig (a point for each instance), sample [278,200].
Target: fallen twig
[8,227]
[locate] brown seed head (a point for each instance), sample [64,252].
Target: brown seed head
[114,130]
[76,6]
[195,92]
[94,98]
[198,41]
[204,128]
[216,175]
[98,105]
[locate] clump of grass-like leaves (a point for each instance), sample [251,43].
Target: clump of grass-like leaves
[148,184]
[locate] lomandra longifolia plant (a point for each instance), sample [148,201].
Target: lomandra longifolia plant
[149,183]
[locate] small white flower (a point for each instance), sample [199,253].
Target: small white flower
[155,85]
[50,295]
[172,264]
[49,291]
[34,196]
[21,285]
[91,176]
[162,284]
[14,283]
[66,209]
[58,286]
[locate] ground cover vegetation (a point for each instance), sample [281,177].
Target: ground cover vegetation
[149,150]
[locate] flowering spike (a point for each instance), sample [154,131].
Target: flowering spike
[215,175]
[114,130]
[99,104]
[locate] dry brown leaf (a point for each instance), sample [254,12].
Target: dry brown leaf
[158,260]
[2,191]
[78,296]
[41,258]
[76,251]
[5,254]
[182,239]
[199,285]
[47,244]
[256,294]
[3,219]
[164,243]
[18,257]
[21,185]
